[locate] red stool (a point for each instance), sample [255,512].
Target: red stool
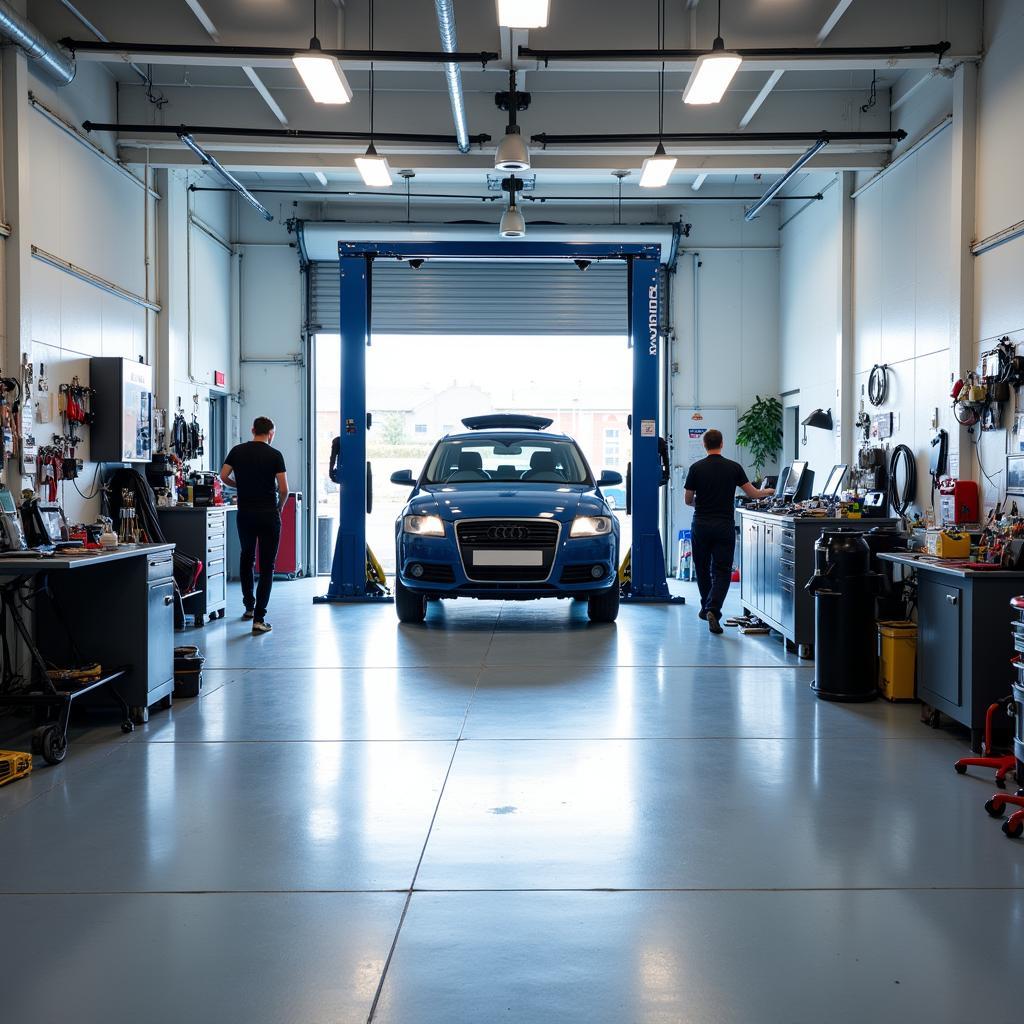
[1013,827]
[1002,765]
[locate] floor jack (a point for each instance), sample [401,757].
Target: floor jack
[50,691]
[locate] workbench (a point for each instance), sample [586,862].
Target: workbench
[118,606]
[964,637]
[777,560]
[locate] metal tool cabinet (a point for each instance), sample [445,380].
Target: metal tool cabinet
[202,533]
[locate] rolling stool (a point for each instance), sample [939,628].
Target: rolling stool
[1002,764]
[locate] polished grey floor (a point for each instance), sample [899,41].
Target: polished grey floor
[506,814]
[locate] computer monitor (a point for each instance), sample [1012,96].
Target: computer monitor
[795,478]
[834,481]
[782,482]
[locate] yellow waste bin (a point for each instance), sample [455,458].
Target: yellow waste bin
[897,657]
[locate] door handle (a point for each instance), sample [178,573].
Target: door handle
[951,598]
[169,600]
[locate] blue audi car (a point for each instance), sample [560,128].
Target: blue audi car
[507,511]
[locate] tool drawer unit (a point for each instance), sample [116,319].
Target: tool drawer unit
[202,533]
[776,561]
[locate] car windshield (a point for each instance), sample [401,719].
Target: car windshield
[528,459]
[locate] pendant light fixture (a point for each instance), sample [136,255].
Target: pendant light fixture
[523,13]
[321,73]
[658,169]
[512,154]
[713,72]
[512,223]
[372,167]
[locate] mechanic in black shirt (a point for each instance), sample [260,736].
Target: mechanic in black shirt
[257,471]
[711,489]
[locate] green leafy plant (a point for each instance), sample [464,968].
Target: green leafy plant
[760,431]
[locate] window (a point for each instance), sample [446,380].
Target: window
[420,428]
[507,459]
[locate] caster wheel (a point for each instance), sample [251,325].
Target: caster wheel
[1000,783]
[55,746]
[996,812]
[934,719]
[220,614]
[961,769]
[140,716]
[200,621]
[1012,833]
[127,727]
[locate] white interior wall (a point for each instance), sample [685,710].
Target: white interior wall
[809,318]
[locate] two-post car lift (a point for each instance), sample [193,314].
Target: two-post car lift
[349,570]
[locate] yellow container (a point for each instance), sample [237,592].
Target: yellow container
[897,658]
[947,544]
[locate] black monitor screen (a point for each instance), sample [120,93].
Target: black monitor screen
[835,481]
[796,471]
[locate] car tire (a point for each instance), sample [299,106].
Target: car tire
[604,607]
[410,605]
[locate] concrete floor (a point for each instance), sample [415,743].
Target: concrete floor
[507,814]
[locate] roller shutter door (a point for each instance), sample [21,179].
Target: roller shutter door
[481,298]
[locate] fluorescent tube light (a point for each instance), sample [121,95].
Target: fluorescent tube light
[712,74]
[323,76]
[374,169]
[523,13]
[321,177]
[657,169]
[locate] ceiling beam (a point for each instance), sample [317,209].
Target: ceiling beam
[211,30]
[773,79]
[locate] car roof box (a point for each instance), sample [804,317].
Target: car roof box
[509,420]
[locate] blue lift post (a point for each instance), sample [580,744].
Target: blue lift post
[348,573]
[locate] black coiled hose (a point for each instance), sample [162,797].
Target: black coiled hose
[878,384]
[901,502]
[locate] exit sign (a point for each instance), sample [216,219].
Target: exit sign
[219,378]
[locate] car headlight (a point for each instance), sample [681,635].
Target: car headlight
[591,526]
[424,526]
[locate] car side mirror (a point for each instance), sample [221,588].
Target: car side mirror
[403,477]
[609,478]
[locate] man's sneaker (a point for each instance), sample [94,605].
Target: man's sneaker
[261,627]
[247,615]
[712,623]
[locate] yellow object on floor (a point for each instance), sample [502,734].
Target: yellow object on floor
[897,659]
[14,764]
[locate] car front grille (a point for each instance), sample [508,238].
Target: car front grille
[512,535]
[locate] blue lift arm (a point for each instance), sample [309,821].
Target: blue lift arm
[348,574]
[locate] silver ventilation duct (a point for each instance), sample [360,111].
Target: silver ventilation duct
[452,72]
[25,35]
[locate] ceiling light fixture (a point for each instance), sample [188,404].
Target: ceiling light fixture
[523,13]
[513,154]
[372,167]
[321,73]
[512,223]
[713,71]
[658,169]
[321,177]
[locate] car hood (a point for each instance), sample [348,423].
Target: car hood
[466,501]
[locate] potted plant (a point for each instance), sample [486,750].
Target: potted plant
[760,431]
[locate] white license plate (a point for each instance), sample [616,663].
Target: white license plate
[523,558]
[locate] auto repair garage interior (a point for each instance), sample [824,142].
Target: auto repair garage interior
[494,271]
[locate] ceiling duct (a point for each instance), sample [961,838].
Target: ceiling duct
[452,71]
[36,46]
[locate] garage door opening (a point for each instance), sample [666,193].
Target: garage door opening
[420,387]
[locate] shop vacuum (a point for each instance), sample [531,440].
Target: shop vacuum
[844,589]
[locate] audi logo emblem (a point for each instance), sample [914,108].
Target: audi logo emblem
[507,533]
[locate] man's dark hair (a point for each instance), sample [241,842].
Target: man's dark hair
[712,440]
[264,425]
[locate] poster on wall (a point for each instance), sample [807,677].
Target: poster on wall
[689,425]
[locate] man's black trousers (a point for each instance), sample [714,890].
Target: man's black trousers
[263,528]
[713,543]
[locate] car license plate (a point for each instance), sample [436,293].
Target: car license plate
[523,558]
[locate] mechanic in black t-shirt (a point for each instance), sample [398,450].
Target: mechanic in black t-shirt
[257,471]
[711,489]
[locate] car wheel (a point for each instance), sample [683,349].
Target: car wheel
[410,605]
[604,606]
